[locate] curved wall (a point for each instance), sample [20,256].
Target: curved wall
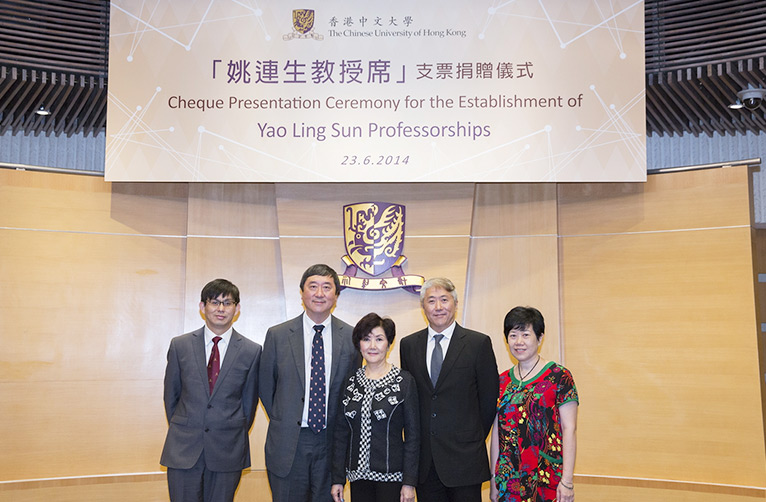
[648,292]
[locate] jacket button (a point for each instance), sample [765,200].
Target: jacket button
[209,406]
[207,430]
[433,433]
[433,415]
[299,423]
[433,398]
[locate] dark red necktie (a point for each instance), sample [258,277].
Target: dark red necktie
[214,364]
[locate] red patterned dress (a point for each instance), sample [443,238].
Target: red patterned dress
[529,431]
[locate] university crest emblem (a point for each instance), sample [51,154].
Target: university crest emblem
[303,25]
[374,237]
[303,20]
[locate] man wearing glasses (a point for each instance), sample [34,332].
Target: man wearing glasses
[211,394]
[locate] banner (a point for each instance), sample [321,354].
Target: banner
[397,91]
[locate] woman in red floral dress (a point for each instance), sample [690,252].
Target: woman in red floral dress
[533,439]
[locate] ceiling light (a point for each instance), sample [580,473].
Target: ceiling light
[43,111]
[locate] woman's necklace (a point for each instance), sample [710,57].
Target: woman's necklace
[521,378]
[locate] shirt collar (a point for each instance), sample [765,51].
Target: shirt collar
[308,324]
[447,332]
[226,336]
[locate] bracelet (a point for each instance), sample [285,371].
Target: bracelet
[569,487]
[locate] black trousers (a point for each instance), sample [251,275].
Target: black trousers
[375,491]
[433,490]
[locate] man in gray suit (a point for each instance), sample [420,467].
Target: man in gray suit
[211,394]
[305,363]
[456,375]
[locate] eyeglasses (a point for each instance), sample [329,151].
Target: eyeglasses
[218,303]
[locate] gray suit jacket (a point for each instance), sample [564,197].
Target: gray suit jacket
[282,384]
[217,424]
[455,415]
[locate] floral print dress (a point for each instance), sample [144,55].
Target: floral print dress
[529,431]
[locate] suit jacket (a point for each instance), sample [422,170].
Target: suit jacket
[282,381]
[391,437]
[216,423]
[457,414]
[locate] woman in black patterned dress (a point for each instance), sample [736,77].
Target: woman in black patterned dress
[377,445]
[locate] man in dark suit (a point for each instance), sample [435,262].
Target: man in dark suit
[305,363]
[456,375]
[211,394]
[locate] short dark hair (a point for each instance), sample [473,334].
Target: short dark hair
[521,317]
[369,322]
[218,287]
[324,271]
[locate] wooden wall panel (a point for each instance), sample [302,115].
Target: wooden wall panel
[515,209]
[86,304]
[232,209]
[514,261]
[253,487]
[759,270]
[640,490]
[506,272]
[317,209]
[128,489]
[660,329]
[65,202]
[663,351]
[90,298]
[81,428]
[710,198]
[647,290]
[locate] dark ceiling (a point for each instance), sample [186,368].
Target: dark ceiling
[53,53]
[699,54]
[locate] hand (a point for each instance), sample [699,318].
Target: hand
[337,493]
[493,491]
[407,494]
[564,494]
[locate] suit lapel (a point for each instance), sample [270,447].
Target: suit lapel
[198,350]
[421,345]
[337,344]
[295,339]
[235,344]
[456,345]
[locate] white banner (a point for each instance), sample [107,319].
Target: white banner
[397,91]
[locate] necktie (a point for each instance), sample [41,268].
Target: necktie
[214,364]
[437,358]
[317,386]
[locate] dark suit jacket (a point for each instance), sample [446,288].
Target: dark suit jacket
[217,424]
[282,381]
[393,437]
[457,415]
